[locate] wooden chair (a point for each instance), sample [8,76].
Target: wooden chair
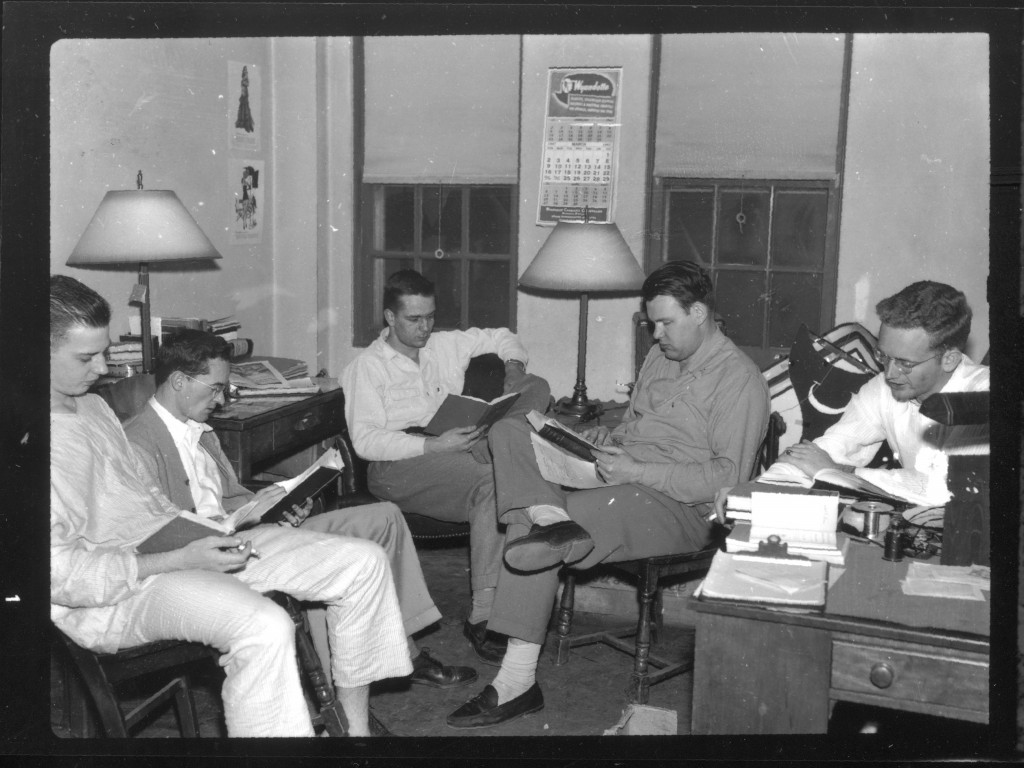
[650,571]
[101,672]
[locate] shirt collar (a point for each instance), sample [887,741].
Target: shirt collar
[189,430]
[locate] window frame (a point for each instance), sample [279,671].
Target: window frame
[656,252]
[370,254]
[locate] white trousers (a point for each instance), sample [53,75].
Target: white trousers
[262,692]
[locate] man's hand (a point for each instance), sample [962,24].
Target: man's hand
[809,457]
[720,503]
[298,513]
[454,440]
[617,467]
[515,372]
[597,435]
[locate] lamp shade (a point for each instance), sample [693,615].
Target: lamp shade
[584,257]
[133,226]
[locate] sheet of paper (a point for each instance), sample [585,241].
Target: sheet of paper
[948,589]
[561,467]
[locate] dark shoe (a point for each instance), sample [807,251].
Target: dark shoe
[426,670]
[377,728]
[489,646]
[546,546]
[483,709]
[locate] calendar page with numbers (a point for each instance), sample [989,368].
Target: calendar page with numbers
[581,145]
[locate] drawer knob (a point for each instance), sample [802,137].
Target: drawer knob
[308,421]
[882,675]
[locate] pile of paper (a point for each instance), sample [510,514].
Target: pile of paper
[961,582]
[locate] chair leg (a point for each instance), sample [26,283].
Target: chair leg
[329,707]
[188,717]
[639,687]
[564,624]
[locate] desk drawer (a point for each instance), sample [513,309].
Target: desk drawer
[309,425]
[905,672]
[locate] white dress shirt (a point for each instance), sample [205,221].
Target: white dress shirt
[203,476]
[922,445]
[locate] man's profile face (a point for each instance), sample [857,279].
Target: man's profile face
[200,395]
[913,345]
[412,323]
[78,360]
[676,330]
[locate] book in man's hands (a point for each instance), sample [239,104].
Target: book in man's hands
[848,484]
[465,411]
[189,526]
[558,463]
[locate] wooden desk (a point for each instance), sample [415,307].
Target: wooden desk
[763,671]
[256,433]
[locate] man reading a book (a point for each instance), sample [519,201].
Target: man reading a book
[107,597]
[696,417]
[394,387]
[183,454]
[924,329]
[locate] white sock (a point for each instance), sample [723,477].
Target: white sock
[483,599]
[518,670]
[546,514]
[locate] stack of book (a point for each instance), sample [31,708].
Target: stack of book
[124,358]
[286,366]
[225,327]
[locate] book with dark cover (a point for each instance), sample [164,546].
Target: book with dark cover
[320,478]
[179,531]
[567,439]
[463,411]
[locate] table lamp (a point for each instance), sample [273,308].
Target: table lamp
[141,227]
[583,258]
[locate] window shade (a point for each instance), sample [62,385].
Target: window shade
[749,105]
[442,108]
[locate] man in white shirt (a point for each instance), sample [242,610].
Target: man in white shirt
[106,596]
[394,387]
[924,330]
[184,456]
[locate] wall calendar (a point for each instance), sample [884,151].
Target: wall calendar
[581,145]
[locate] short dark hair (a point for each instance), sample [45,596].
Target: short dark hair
[405,282]
[74,303]
[940,309]
[685,281]
[189,351]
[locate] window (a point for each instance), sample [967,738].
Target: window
[770,246]
[461,237]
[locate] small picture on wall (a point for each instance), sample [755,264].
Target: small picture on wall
[243,105]
[249,184]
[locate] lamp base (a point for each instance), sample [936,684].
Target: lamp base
[583,410]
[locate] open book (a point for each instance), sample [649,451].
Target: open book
[848,484]
[464,411]
[189,526]
[557,463]
[755,579]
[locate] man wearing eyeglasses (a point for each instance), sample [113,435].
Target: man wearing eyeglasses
[180,450]
[924,330]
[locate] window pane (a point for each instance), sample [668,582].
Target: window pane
[796,299]
[399,225]
[743,228]
[690,223]
[739,299]
[488,294]
[798,229]
[442,215]
[490,209]
[444,273]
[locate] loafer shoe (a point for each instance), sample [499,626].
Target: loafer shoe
[489,646]
[483,710]
[426,670]
[546,546]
